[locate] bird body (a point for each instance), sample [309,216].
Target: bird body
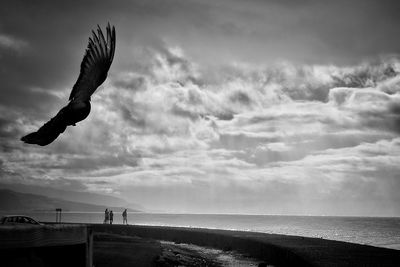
[94,68]
[78,111]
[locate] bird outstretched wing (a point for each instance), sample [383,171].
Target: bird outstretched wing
[95,64]
[94,67]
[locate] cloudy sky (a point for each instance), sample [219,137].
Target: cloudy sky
[261,107]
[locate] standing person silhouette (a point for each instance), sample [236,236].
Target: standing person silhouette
[111,217]
[106,215]
[125,217]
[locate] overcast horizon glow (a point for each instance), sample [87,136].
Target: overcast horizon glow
[271,107]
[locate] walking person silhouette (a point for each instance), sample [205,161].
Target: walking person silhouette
[125,217]
[111,217]
[106,216]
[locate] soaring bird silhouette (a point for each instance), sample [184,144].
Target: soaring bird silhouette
[94,67]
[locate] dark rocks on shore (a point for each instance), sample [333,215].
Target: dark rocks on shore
[176,256]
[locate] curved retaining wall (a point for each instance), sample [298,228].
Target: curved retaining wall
[279,250]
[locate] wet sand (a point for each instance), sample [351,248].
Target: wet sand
[217,256]
[119,250]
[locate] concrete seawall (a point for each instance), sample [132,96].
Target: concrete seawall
[46,245]
[279,250]
[72,245]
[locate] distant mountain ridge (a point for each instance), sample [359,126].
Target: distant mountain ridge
[74,196]
[15,201]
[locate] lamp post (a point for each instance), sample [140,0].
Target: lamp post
[58,215]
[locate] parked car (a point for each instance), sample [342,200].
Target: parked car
[18,220]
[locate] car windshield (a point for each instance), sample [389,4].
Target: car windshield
[32,221]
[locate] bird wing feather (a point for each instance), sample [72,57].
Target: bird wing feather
[96,62]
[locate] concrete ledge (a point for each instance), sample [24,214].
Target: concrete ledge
[42,235]
[279,250]
[46,245]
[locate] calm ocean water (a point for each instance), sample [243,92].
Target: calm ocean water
[375,231]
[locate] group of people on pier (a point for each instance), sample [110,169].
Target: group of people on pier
[109,217]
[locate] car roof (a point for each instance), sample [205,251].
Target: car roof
[15,216]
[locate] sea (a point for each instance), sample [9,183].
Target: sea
[374,231]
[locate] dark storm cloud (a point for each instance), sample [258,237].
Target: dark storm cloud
[205,94]
[368,74]
[353,28]
[389,120]
[56,33]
